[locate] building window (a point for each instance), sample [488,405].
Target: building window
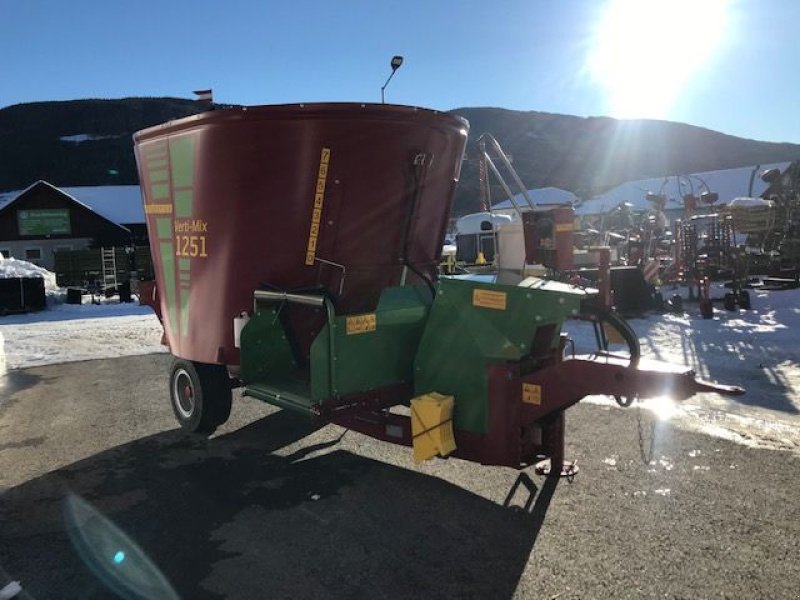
[33,254]
[5,252]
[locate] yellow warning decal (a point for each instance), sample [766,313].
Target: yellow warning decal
[560,227]
[531,394]
[489,299]
[158,209]
[319,198]
[361,324]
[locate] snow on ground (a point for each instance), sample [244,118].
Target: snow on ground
[69,332]
[755,349]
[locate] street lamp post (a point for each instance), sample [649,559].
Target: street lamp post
[395,64]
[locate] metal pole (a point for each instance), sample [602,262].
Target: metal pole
[511,170]
[385,84]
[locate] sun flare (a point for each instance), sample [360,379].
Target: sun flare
[644,53]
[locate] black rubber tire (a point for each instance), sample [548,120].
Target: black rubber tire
[729,301]
[744,300]
[200,395]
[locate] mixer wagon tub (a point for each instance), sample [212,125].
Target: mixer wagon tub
[296,249]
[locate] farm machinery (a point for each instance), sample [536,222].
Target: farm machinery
[296,250]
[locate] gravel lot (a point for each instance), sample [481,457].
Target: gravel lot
[269,507]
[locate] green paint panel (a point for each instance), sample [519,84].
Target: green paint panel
[164,228]
[461,340]
[183,204]
[168,267]
[372,359]
[266,356]
[181,155]
[159,191]
[184,264]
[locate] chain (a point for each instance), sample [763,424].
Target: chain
[647,455]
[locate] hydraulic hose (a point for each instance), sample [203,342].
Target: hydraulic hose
[600,316]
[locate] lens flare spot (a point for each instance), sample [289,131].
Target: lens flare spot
[119,557]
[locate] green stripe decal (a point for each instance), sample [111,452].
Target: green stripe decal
[164,228]
[157,163]
[159,175]
[168,267]
[183,204]
[181,155]
[181,160]
[184,311]
[159,191]
[155,152]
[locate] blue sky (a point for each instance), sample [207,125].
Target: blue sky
[729,65]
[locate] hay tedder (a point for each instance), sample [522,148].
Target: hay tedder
[296,250]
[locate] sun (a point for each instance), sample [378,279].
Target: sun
[645,53]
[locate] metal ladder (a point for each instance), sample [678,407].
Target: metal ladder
[109,260]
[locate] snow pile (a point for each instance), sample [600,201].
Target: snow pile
[12,268]
[80,138]
[745,202]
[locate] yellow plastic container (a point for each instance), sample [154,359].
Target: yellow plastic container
[432,426]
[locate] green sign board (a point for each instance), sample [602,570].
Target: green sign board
[53,221]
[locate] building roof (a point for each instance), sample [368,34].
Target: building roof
[120,204]
[545,195]
[728,183]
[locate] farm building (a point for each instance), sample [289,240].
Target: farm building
[43,219]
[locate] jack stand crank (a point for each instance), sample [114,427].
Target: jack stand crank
[556,466]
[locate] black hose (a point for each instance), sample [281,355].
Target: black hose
[625,330]
[415,194]
[600,315]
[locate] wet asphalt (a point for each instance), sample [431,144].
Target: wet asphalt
[270,507]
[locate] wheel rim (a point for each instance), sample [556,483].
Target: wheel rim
[183,393]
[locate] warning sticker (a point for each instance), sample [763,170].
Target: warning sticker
[489,299]
[531,394]
[361,324]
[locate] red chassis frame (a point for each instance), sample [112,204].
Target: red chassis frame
[522,432]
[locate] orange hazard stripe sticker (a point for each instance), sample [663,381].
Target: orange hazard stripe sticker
[316,212]
[158,209]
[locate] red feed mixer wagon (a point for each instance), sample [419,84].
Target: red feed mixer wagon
[296,252]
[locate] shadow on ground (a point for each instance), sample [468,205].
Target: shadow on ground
[228,517]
